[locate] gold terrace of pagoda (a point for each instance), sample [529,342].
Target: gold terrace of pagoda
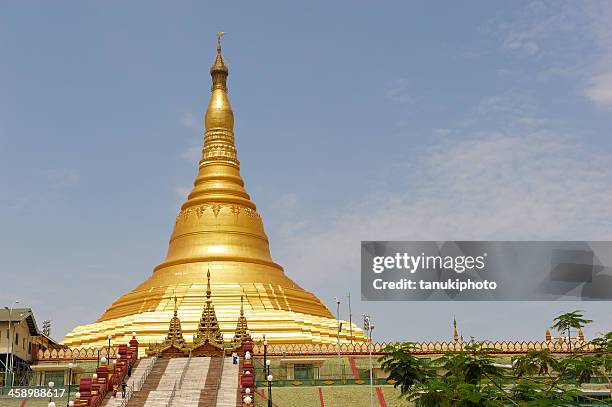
[219,229]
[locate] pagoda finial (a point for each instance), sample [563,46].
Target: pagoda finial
[174,343]
[219,36]
[242,328]
[218,70]
[208,291]
[208,328]
[455,333]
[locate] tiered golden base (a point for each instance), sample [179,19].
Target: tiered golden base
[151,325]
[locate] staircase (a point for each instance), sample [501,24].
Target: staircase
[183,382]
[228,394]
[139,398]
[208,395]
[161,395]
[137,374]
[193,382]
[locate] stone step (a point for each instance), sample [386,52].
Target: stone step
[228,394]
[172,374]
[137,373]
[139,398]
[209,392]
[195,376]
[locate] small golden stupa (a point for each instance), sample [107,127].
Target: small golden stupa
[218,229]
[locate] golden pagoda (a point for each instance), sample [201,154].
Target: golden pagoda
[219,230]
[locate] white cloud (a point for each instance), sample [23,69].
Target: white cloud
[61,178]
[182,191]
[398,91]
[532,186]
[600,90]
[569,39]
[442,132]
[193,154]
[190,121]
[510,102]
[533,121]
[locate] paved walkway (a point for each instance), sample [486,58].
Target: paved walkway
[137,375]
[228,391]
[161,395]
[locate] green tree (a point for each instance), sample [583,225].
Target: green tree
[535,362]
[469,377]
[567,321]
[405,369]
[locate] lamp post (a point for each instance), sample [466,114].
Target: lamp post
[51,385]
[9,348]
[265,343]
[269,390]
[70,366]
[368,327]
[350,318]
[338,333]
[109,345]
[98,349]
[268,375]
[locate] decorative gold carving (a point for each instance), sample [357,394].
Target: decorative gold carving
[174,344]
[216,209]
[242,329]
[208,329]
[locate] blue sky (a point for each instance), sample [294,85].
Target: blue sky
[354,120]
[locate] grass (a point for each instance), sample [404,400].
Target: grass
[334,396]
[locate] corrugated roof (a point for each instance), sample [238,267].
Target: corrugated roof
[18,315]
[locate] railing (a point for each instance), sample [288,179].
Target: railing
[146,373]
[219,380]
[180,385]
[172,394]
[136,386]
[76,354]
[425,348]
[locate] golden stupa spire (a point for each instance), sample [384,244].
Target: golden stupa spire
[218,243]
[219,66]
[455,333]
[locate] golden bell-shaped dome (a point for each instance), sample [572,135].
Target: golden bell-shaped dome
[219,229]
